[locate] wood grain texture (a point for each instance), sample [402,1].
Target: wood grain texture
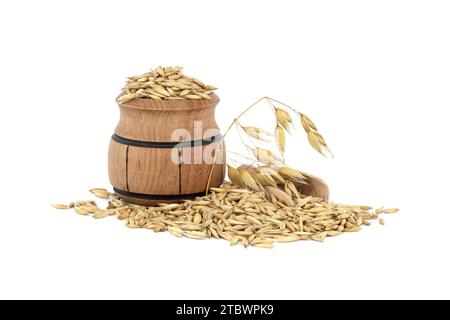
[316,187]
[152,171]
[194,176]
[117,167]
[158,171]
[156,120]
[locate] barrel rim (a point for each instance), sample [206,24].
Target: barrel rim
[170,105]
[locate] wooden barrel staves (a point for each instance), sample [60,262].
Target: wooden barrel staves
[163,150]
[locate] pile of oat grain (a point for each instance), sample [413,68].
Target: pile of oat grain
[239,216]
[165,83]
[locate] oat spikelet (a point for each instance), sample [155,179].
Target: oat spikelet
[281,139]
[284,119]
[292,188]
[264,179]
[257,133]
[307,123]
[272,172]
[291,174]
[315,139]
[247,179]
[265,170]
[234,176]
[266,156]
[314,142]
[322,142]
[280,195]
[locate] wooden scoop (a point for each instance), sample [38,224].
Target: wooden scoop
[316,187]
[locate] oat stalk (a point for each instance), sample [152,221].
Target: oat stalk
[284,123]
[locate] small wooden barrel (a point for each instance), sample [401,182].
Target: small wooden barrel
[162,150]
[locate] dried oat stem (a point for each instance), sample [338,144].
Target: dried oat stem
[223,137]
[284,122]
[251,159]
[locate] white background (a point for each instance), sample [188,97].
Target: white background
[373,75]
